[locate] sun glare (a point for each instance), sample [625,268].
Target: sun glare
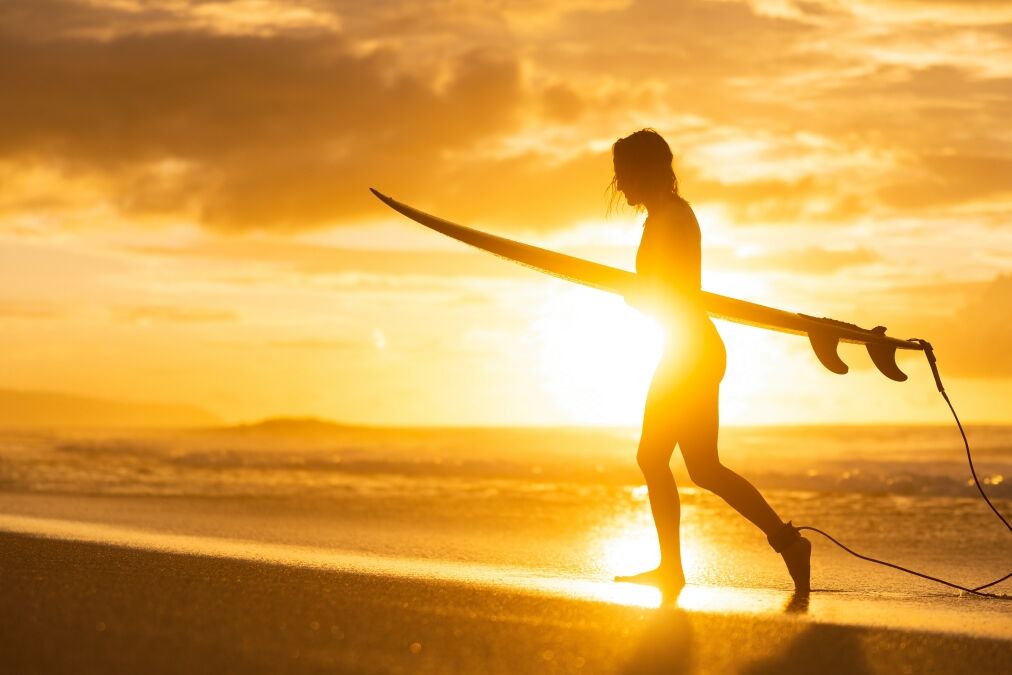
[631,545]
[595,355]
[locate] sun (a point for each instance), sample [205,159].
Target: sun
[594,355]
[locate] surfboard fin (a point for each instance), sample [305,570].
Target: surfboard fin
[825,345]
[884,358]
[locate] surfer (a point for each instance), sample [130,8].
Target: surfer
[682,401]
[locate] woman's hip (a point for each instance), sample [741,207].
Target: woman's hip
[701,358]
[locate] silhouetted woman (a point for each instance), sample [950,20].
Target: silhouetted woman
[682,401]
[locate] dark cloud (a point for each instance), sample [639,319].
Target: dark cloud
[44,20]
[48,20]
[281,131]
[287,129]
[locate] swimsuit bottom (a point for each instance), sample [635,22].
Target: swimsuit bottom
[693,358]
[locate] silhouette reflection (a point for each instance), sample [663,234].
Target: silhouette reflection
[798,603]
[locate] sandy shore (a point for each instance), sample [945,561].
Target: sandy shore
[87,607]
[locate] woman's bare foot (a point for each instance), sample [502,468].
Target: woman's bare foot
[798,557]
[666,579]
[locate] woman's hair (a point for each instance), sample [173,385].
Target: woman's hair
[644,158]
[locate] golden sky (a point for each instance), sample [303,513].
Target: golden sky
[185,215]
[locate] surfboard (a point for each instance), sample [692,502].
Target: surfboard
[823,333]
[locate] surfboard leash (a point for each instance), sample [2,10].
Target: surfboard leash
[930,353]
[932,363]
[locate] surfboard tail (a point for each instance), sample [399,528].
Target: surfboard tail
[825,344]
[884,358]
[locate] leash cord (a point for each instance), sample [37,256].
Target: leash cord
[929,352]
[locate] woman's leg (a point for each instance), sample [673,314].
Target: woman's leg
[657,442]
[654,454]
[698,441]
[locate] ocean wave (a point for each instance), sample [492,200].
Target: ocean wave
[288,461]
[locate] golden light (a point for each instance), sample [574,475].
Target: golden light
[633,546]
[595,355]
[728,599]
[629,545]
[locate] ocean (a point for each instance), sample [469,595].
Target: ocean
[559,501]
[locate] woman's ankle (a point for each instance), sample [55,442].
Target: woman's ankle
[783,538]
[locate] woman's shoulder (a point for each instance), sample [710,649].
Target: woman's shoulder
[683,208]
[679,217]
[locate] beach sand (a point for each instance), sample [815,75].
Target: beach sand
[480,551]
[89,607]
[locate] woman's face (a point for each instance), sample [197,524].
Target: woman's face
[628,187]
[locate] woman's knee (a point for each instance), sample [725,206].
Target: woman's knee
[707,475]
[653,459]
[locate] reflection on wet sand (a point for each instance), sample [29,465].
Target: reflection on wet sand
[798,604]
[823,606]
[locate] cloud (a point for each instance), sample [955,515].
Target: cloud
[316,344]
[813,260]
[920,110]
[969,323]
[24,310]
[316,260]
[287,130]
[244,132]
[278,115]
[805,200]
[951,179]
[107,19]
[145,314]
[942,12]
[974,340]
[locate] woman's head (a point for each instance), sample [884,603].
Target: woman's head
[643,167]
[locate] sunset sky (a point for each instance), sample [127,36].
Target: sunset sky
[185,214]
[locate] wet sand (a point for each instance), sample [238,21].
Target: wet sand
[83,607]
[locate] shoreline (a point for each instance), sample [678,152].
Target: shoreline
[88,606]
